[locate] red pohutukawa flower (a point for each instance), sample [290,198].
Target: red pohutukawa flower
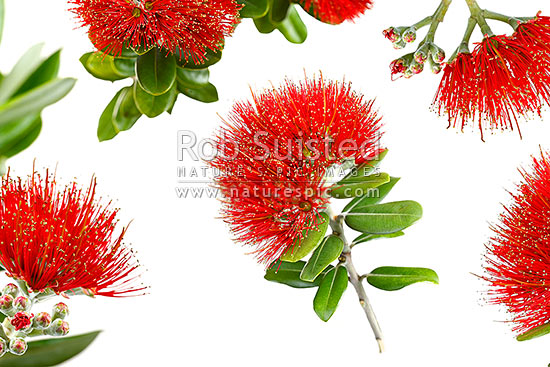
[457,90]
[518,259]
[336,11]
[63,240]
[504,79]
[186,28]
[274,154]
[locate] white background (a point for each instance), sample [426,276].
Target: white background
[209,304]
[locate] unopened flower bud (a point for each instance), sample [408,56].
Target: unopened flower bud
[391,34]
[438,55]
[421,55]
[416,68]
[409,35]
[436,68]
[22,303]
[42,321]
[18,346]
[22,320]
[58,328]
[408,74]
[6,303]
[3,347]
[11,289]
[60,311]
[399,44]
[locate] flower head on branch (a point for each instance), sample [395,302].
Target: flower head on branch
[63,240]
[518,255]
[187,28]
[275,152]
[504,79]
[336,11]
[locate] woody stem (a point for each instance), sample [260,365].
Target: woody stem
[336,223]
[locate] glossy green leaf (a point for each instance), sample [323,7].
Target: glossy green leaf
[2,17]
[188,78]
[309,243]
[279,10]
[126,112]
[50,352]
[125,66]
[364,170]
[46,72]
[328,251]
[19,135]
[152,106]
[384,218]
[35,100]
[366,237]
[119,115]
[293,28]
[364,187]
[125,53]
[212,57]
[373,196]
[330,291]
[156,71]
[102,66]
[253,8]
[24,68]
[206,94]
[390,278]
[536,332]
[289,274]
[264,25]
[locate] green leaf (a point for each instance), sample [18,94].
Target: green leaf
[534,333]
[206,94]
[19,135]
[364,170]
[192,78]
[364,187]
[279,10]
[289,274]
[152,106]
[24,68]
[126,112]
[125,66]
[156,71]
[328,251]
[293,28]
[119,115]
[102,66]
[2,16]
[365,237]
[264,25]
[329,293]
[390,278]
[309,243]
[35,100]
[49,352]
[212,57]
[253,8]
[46,72]
[384,218]
[373,196]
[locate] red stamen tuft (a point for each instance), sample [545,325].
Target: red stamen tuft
[336,11]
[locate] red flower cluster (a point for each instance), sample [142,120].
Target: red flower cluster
[186,28]
[336,11]
[274,154]
[62,240]
[518,259]
[503,79]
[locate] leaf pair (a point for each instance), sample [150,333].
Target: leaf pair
[269,15]
[31,86]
